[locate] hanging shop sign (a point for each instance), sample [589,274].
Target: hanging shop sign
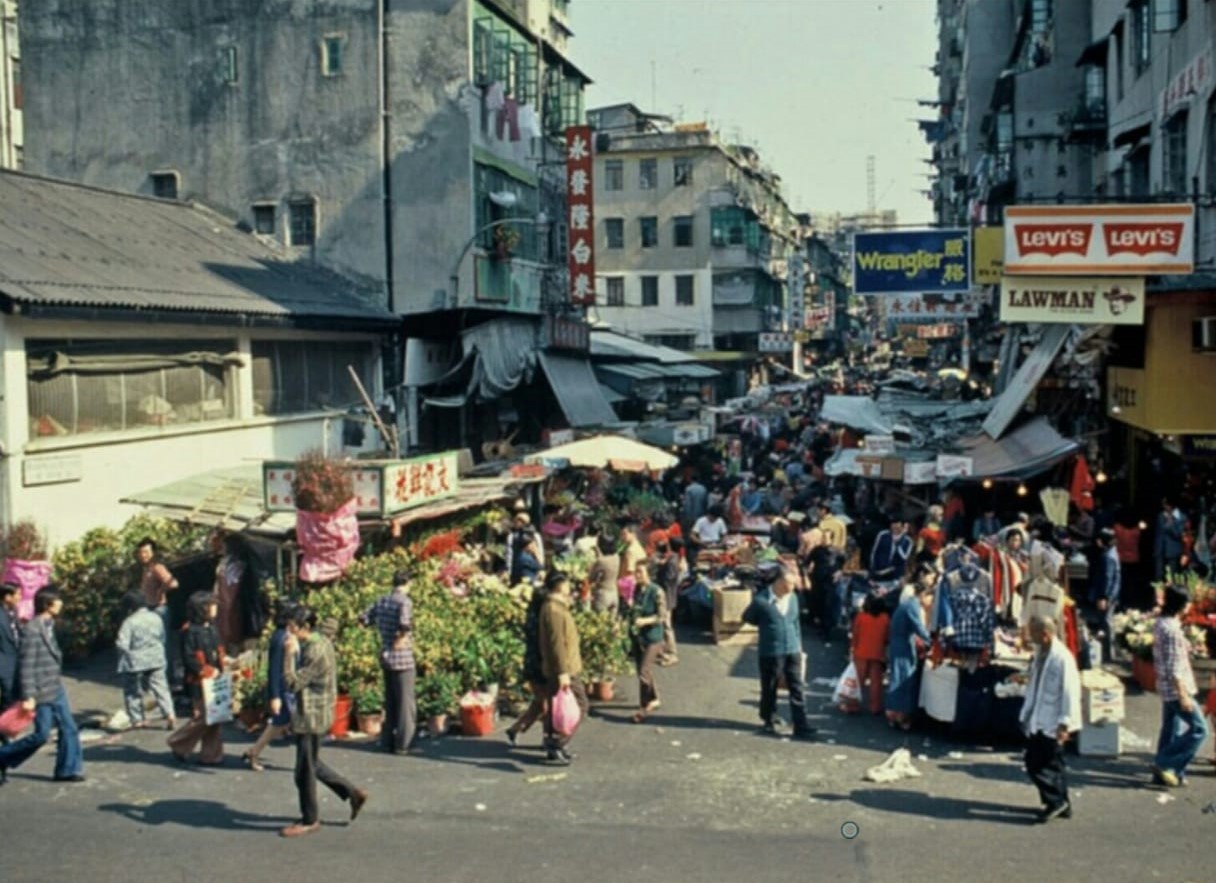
[989,246]
[869,466]
[580,214]
[382,488]
[562,333]
[1077,301]
[1103,240]
[953,466]
[776,342]
[916,349]
[940,331]
[924,472]
[934,306]
[880,444]
[912,261]
[1203,446]
[797,287]
[1193,81]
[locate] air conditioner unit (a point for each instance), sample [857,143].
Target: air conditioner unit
[1203,334]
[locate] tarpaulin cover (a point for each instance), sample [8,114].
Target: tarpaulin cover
[577,390]
[30,577]
[856,412]
[327,542]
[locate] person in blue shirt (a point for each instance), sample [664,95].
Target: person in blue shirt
[892,550]
[907,627]
[278,695]
[1105,587]
[774,611]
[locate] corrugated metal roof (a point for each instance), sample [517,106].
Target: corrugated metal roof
[577,390]
[610,344]
[68,245]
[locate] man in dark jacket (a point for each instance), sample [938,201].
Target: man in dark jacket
[10,643]
[42,688]
[775,612]
[560,660]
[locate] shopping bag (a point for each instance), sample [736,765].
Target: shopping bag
[217,699]
[14,720]
[848,688]
[566,713]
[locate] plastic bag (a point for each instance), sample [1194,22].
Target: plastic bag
[327,542]
[30,577]
[217,699]
[14,720]
[566,713]
[848,688]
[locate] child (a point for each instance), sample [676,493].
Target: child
[141,661]
[870,631]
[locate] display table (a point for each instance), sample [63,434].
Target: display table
[981,705]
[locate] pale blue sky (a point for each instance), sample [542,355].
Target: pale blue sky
[815,85]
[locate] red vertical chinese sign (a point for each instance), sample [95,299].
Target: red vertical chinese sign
[580,218]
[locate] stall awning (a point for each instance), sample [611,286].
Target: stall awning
[634,371]
[1027,451]
[229,498]
[577,390]
[856,412]
[1094,53]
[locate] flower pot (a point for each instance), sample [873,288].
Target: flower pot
[476,720]
[602,691]
[1144,674]
[370,724]
[343,706]
[437,725]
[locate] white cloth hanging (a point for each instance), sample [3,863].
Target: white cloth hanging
[1055,505]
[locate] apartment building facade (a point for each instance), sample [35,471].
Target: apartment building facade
[12,129]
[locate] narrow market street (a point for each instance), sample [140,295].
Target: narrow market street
[693,794]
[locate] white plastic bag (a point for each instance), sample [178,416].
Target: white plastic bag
[848,688]
[217,699]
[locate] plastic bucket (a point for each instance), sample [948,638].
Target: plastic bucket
[477,720]
[343,706]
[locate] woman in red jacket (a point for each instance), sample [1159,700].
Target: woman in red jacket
[871,628]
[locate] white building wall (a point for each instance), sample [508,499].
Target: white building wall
[667,317]
[116,465]
[12,136]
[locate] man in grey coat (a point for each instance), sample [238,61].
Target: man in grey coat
[42,687]
[141,661]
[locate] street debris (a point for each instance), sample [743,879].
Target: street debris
[1132,741]
[675,743]
[1163,799]
[481,807]
[1210,808]
[694,756]
[545,777]
[897,766]
[840,757]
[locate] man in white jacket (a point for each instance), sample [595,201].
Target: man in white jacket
[1050,715]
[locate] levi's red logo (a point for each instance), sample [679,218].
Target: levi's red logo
[1054,239]
[1143,239]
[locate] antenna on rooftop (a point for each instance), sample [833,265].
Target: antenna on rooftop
[871,190]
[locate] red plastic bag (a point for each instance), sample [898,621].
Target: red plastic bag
[14,720]
[566,713]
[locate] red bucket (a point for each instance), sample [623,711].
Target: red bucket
[476,720]
[343,706]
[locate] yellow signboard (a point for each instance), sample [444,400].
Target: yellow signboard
[989,254]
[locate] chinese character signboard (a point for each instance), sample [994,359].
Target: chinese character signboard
[580,216]
[567,334]
[797,314]
[382,487]
[776,342]
[951,466]
[913,261]
[1099,240]
[933,306]
[1074,300]
[1193,81]
[989,255]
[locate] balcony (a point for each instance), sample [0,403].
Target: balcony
[1086,122]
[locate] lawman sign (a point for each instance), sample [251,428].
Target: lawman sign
[1072,300]
[1101,240]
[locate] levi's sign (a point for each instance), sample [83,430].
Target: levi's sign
[1101,240]
[1073,300]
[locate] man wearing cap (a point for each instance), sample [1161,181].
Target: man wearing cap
[392,616]
[774,611]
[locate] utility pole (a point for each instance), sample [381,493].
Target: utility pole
[871,188]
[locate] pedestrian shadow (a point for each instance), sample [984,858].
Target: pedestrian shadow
[916,803]
[677,722]
[484,754]
[196,814]
[126,753]
[1079,775]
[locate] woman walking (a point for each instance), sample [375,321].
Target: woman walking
[281,701]
[533,672]
[647,619]
[141,661]
[907,627]
[203,658]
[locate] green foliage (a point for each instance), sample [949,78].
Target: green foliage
[95,571]
[603,643]
[369,698]
[437,693]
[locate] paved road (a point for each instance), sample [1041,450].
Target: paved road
[692,795]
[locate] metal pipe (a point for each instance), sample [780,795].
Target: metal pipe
[386,155]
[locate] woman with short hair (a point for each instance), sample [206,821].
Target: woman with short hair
[203,658]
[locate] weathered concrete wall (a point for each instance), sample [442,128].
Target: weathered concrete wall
[119,88]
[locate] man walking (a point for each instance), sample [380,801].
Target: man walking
[10,643]
[775,612]
[561,662]
[314,680]
[42,686]
[1183,728]
[1051,712]
[392,615]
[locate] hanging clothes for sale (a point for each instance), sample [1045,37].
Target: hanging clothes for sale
[972,619]
[1007,573]
[1055,505]
[1043,597]
[1081,490]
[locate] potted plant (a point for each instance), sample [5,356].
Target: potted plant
[250,686]
[327,523]
[604,647]
[437,695]
[506,240]
[369,708]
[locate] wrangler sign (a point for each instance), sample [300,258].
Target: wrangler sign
[912,262]
[1102,240]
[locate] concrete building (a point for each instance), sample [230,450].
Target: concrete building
[144,341]
[388,140]
[12,137]
[694,235]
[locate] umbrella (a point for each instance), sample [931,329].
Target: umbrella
[603,451]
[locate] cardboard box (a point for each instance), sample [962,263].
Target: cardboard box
[1101,697]
[729,604]
[1100,740]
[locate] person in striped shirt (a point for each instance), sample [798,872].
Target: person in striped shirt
[1183,728]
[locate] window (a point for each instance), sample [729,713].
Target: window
[264,219]
[1095,91]
[77,387]
[614,232]
[616,291]
[302,214]
[14,68]
[650,291]
[614,175]
[675,341]
[1137,173]
[488,181]
[1169,15]
[331,56]
[1040,16]
[650,231]
[1117,36]
[685,291]
[1004,131]
[683,231]
[290,377]
[230,67]
[648,174]
[734,226]
[165,184]
[1142,35]
[1173,179]
[681,168]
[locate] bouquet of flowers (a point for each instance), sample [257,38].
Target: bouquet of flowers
[320,484]
[1134,632]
